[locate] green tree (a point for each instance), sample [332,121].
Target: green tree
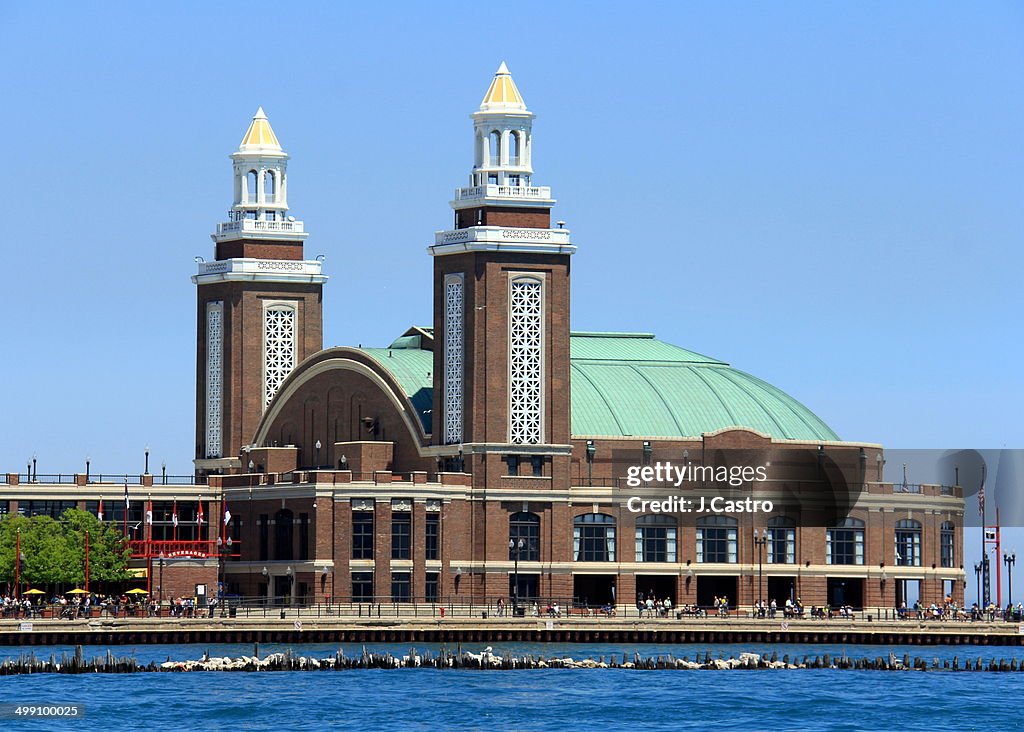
[54,550]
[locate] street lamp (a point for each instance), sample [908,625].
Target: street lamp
[266,579]
[760,539]
[291,578]
[977,576]
[87,460]
[318,446]
[1010,560]
[515,547]
[223,548]
[163,471]
[146,469]
[35,470]
[160,588]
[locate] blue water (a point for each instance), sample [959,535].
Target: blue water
[414,699]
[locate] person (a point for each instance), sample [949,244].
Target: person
[772,608]
[500,607]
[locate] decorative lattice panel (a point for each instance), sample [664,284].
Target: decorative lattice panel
[278,348]
[214,377]
[526,350]
[453,347]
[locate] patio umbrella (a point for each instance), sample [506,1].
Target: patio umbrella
[34,592]
[136,591]
[76,591]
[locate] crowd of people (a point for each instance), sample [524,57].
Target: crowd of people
[88,605]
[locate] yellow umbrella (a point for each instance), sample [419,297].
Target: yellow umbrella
[76,591]
[34,592]
[136,591]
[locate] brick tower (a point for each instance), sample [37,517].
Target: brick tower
[501,308]
[259,304]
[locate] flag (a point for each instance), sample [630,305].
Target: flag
[174,513]
[227,514]
[199,514]
[149,513]
[99,511]
[127,503]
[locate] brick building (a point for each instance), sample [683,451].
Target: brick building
[488,454]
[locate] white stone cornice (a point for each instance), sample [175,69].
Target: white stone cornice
[502,239]
[262,270]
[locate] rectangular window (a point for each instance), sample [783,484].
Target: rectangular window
[401,587]
[432,528]
[362,587]
[656,544]
[908,548]
[401,535]
[513,464]
[781,546]
[526,359]
[432,586]
[538,465]
[716,544]
[453,348]
[362,534]
[947,547]
[844,546]
[594,543]
[303,536]
[264,535]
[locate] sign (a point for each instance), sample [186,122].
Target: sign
[27,627]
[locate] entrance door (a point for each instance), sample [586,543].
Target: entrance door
[781,589]
[845,591]
[593,590]
[529,587]
[709,587]
[657,587]
[282,590]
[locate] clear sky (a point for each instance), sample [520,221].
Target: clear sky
[827,195]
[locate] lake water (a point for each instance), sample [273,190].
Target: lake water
[413,699]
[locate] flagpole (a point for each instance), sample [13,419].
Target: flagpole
[999,562]
[126,509]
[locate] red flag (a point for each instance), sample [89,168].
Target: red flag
[99,511]
[981,496]
[199,514]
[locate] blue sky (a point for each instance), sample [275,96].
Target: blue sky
[827,195]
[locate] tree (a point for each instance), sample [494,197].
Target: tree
[54,550]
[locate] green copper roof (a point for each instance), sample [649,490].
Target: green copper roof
[631,384]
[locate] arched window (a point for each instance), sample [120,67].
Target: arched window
[593,538]
[908,543]
[284,531]
[844,543]
[251,186]
[269,185]
[495,147]
[716,539]
[514,146]
[656,538]
[524,527]
[781,535]
[948,545]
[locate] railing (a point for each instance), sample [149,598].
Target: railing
[495,191]
[906,488]
[196,549]
[255,225]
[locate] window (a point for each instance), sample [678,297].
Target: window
[264,536]
[781,535]
[655,538]
[908,543]
[401,535]
[492,179]
[269,187]
[513,180]
[513,151]
[284,534]
[526,360]
[453,347]
[512,461]
[278,347]
[270,215]
[303,536]
[716,539]
[362,587]
[432,586]
[948,547]
[537,462]
[214,376]
[495,147]
[432,529]
[401,587]
[844,544]
[524,526]
[251,186]
[54,509]
[362,534]
[593,538]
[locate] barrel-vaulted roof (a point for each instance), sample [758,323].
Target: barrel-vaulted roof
[633,385]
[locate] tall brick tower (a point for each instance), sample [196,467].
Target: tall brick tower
[259,303]
[501,308]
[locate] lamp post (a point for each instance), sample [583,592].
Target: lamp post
[1010,560]
[87,461]
[515,547]
[146,468]
[163,472]
[291,579]
[591,451]
[760,539]
[160,587]
[977,577]
[265,574]
[35,470]
[223,549]
[318,446]
[18,559]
